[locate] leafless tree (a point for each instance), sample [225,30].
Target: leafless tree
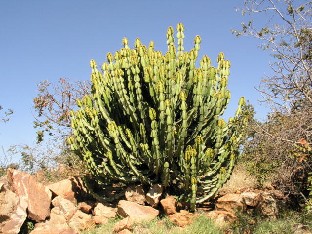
[53,105]
[287,34]
[5,117]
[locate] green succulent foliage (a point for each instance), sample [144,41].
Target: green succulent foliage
[155,118]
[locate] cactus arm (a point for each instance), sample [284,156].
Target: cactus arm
[183,129]
[165,174]
[155,141]
[169,131]
[180,36]
[193,182]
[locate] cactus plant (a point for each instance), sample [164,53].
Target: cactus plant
[156,118]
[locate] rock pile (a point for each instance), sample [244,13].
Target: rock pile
[66,207]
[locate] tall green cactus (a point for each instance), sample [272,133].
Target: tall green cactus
[155,118]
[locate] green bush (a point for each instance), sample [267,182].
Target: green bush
[154,118]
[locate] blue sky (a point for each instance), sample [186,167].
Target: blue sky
[46,40]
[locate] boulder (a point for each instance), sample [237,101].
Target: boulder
[66,207]
[154,194]
[81,221]
[135,194]
[100,220]
[135,211]
[12,211]
[301,229]
[278,194]
[1,185]
[57,216]
[221,218]
[85,207]
[125,231]
[230,202]
[72,189]
[103,213]
[49,228]
[106,211]
[36,195]
[268,206]
[182,219]
[169,205]
[251,199]
[124,224]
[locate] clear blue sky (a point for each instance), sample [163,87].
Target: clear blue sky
[46,40]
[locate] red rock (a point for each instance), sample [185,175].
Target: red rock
[1,185]
[135,194]
[12,211]
[221,218]
[100,220]
[154,194]
[81,221]
[105,211]
[57,216]
[67,208]
[230,202]
[278,194]
[251,198]
[136,212]
[85,207]
[36,195]
[125,231]
[268,206]
[71,189]
[53,229]
[169,205]
[182,219]
[126,223]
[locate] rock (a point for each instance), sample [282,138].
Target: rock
[71,189]
[268,206]
[126,223]
[182,219]
[278,194]
[80,221]
[12,211]
[1,185]
[125,231]
[67,208]
[36,195]
[135,194]
[135,211]
[169,205]
[100,220]
[251,198]
[57,216]
[230,202]
[85,207]
[301,229]
[53,229]
[221,218]
[154,194]
[105,211]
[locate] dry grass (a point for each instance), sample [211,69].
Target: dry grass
[201,225]
[240,179]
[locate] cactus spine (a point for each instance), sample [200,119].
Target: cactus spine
[156,118]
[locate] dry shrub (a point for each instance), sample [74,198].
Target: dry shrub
[272,152]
